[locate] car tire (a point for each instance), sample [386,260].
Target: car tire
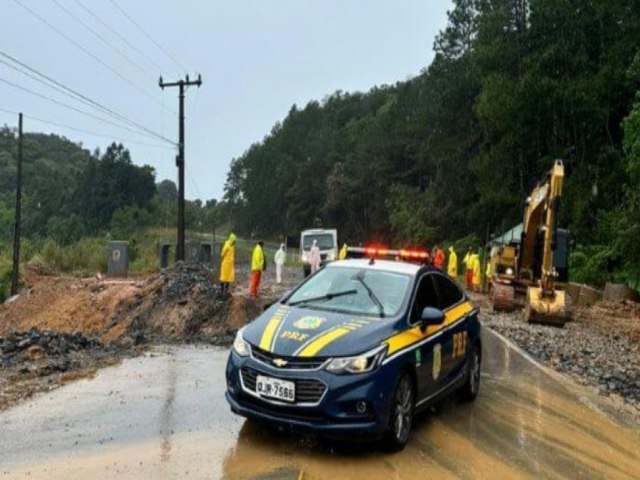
[469,391]
[306,270]
[400,415]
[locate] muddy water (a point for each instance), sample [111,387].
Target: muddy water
[164,416]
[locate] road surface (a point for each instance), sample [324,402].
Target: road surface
[164,416]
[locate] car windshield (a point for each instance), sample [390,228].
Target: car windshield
[342,289]
[325,241]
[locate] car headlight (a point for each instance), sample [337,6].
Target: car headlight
[363,363]
[241,347]
[331,256]
[304,257]
[509,271]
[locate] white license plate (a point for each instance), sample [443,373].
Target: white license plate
[276,388]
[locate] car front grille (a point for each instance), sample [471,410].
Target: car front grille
[293,363]
[308,390]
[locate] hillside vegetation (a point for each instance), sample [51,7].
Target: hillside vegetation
[454,151]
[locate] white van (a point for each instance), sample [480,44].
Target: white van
[327,243]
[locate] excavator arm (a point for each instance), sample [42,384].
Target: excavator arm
[544,302]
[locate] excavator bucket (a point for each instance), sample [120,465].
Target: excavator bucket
[547,309]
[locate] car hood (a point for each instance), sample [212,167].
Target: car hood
[294,331]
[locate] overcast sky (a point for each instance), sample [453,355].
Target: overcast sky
[256,57]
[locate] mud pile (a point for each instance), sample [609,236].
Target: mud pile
[183,304]
[180,304]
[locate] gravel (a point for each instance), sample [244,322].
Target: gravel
[606,358]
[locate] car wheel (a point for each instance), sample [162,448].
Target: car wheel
[401,415]
[469,390]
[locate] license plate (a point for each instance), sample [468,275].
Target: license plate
[276,388]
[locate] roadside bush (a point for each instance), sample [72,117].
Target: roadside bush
[86,256]
[5,281]
[592,264]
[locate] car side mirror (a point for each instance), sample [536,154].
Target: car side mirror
[431,316]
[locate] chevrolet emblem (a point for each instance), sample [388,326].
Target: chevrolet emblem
[279,362]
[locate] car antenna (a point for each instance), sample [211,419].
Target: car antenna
[372,261]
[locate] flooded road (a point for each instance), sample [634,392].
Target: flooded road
[164,416]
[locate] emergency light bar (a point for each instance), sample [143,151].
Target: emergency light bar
[377,252]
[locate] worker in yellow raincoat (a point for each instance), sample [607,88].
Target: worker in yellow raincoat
[452,266]
[468,268]
[343,252]
[228,263]
[257,267]
[476,266]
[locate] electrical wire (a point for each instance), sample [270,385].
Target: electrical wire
[87,132]
[89,53]
[117,34]
[100,37]
[65,105]
[82,98]
[137,25]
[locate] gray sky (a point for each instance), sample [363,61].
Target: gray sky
[256,57]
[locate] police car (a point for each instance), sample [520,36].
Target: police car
[359,347]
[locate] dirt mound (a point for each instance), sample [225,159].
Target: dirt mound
[181,304]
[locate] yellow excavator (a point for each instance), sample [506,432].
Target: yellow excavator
[524,274]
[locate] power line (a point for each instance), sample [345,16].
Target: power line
[58,90]
[87,52]
[137,25]
[83,98]
[87,132]
[100,37]
[65,105]
[117,34]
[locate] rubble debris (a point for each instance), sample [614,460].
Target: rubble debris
[34,361]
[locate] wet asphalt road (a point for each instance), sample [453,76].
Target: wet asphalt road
[164,416]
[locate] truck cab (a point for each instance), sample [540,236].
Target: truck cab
[327,240]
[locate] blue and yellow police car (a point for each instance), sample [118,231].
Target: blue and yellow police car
[358,348]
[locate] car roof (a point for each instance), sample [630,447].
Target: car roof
[394,266]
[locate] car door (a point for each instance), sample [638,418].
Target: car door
[455,338]
[428,362]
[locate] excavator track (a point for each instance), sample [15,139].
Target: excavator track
[503,298]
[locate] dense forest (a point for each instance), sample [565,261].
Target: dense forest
[453,152]
[70,193]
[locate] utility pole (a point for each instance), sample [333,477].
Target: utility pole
[15,274]
[180,158]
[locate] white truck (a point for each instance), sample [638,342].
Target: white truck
[327,243]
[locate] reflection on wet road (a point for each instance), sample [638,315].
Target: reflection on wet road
[165,417]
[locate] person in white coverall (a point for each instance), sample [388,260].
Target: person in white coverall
[279,260]
[314,257]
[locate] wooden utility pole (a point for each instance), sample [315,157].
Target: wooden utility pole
[15,274]
[180,158]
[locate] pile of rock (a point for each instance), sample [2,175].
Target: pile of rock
[180,281]
[44,352]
